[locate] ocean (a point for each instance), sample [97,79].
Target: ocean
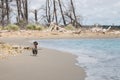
[99,57]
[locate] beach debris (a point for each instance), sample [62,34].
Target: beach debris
[106,30]
[55,27]
[77,32]
[100,29]
[96,29]
[9,50]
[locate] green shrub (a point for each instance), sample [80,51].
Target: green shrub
[0,27]
[12,27]
[34,27]
[30,27]
[38,27]
[69,27]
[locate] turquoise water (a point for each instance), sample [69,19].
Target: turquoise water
[99,57]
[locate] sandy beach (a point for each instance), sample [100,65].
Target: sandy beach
[47,65]
[55,34]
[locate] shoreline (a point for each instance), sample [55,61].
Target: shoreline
[48,35]
[69,68]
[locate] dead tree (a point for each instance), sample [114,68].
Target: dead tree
[35,12]
[64,21]
[22,11]
[49,15]
[8,11]
[19,12]
[25,9]
[36,17]
[72,20]
[75,18]
[3,12]
[48,12]
[55,11]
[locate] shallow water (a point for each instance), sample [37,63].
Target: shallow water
[99,57]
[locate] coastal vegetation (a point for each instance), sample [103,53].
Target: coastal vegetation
[69,27]
[34,27]
[12,27]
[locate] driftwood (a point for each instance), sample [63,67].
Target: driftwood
[100,29]
[55,27]
[77,32]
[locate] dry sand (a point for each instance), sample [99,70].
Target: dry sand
[42,34]
[47,65]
